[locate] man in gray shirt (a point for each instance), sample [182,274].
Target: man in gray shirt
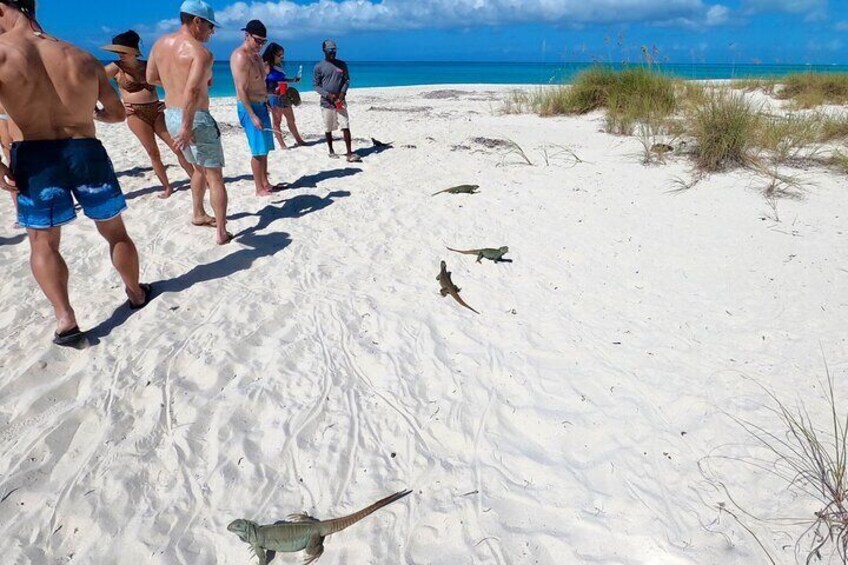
[331,80]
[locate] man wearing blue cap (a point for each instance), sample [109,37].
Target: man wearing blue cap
[248,70]
[181,64]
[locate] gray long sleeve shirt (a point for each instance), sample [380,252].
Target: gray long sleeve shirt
[330,77]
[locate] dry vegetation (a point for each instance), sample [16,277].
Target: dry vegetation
[724,128]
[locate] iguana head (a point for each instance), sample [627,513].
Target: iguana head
[244,529]
[504,249]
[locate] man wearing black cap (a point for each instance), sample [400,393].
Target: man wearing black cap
[331,80]
[249,76]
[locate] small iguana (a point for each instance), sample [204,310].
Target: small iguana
[301,532]
[489,253]
[448,288]
[461,189]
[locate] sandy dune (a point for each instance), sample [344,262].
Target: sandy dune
[312,364]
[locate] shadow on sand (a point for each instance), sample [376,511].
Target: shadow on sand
[178,186]
[295,207]
[14,240]
[374,150]
[135,172]
[311,181]
[258,246]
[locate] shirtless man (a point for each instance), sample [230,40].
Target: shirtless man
[50,89]
[248,70]
[183,67]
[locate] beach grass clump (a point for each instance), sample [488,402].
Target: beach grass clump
[766,84]
[811,455]
[639,95]
[808,90]
[788,137]
[629,96]
[724,128]
[833,127]
[553,101]
[521,102]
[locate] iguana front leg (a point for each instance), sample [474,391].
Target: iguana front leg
[260,553]
[314,550]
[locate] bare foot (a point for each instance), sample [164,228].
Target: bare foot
[206,221]
[264,192]
[225,240]
[166,193]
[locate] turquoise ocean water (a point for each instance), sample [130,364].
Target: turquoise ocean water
[365,74]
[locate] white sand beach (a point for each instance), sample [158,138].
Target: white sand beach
[312,365]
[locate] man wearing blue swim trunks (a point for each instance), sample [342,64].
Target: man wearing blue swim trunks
[182,65]
[49,89]
[248,70]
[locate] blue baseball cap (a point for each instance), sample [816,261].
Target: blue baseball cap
[200,9]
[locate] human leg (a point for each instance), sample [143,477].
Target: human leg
[288,112]
[162,131]
[124,256]
[146,135]
[218,197]
[277,121]
[51,274]
[199,217]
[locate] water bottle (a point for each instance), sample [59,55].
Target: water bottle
[299,72]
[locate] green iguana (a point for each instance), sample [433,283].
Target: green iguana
[448,288]
[301,532]
[489,253]
[461,189]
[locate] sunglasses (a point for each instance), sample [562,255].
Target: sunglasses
[259,40]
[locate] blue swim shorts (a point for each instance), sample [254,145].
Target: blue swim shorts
[50,174]
[206,151]
[261,142]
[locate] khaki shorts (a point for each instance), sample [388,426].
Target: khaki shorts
[334,119]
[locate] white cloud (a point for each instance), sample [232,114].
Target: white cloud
[288,19]
[791,6]
[717,15]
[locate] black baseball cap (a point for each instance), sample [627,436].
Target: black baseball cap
[257,28]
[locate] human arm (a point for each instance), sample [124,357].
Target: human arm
[111,70]
[345,81]
[152,73]
[318,83]
[239,68]
[111,108]
[200,64]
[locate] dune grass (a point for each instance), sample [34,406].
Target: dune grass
[724,128]
[629,96]
[811,455]
[808,90]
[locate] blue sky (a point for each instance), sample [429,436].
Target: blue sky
[684,31]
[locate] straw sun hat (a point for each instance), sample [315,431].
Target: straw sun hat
[126,42]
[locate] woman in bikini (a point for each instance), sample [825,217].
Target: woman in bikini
[273,57]
[145,112]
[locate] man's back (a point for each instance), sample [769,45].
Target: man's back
[49,87]
[171,61]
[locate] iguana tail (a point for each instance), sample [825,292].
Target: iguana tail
[328,527]
[466,252]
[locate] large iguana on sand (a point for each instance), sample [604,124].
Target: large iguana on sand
[300,532]
[489,253]
[461,189]
[448,288]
